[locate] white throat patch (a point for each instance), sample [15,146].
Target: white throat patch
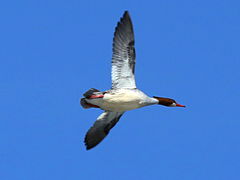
[173,105]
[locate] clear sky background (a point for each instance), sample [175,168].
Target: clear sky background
[52,51]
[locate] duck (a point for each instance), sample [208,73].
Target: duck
[124,94]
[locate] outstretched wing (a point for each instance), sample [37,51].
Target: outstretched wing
[100,129]
[123,58]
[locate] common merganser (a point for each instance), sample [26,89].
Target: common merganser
[123,96]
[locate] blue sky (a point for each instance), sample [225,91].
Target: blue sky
[51,52]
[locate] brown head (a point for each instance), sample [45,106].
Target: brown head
[168,102]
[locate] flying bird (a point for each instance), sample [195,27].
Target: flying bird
[123,95]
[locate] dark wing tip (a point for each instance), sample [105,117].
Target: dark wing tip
[86,143]
[126,17]
[91,139]
[124,30]
[99,131]
[88,147]
[126,13]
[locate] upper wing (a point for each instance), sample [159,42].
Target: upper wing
[100,129]
[123,58]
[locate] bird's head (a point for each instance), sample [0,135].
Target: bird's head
[168,102]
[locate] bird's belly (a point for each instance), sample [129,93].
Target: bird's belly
[119,106]
[119,102]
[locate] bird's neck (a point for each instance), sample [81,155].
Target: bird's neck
[163,101]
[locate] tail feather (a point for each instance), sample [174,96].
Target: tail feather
[90,92]
[84,104]
[87,105]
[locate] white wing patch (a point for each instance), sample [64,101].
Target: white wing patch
[123,59]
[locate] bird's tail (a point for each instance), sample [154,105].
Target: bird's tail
[90,92]
[84,103]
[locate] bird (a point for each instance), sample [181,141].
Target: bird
[123,95]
